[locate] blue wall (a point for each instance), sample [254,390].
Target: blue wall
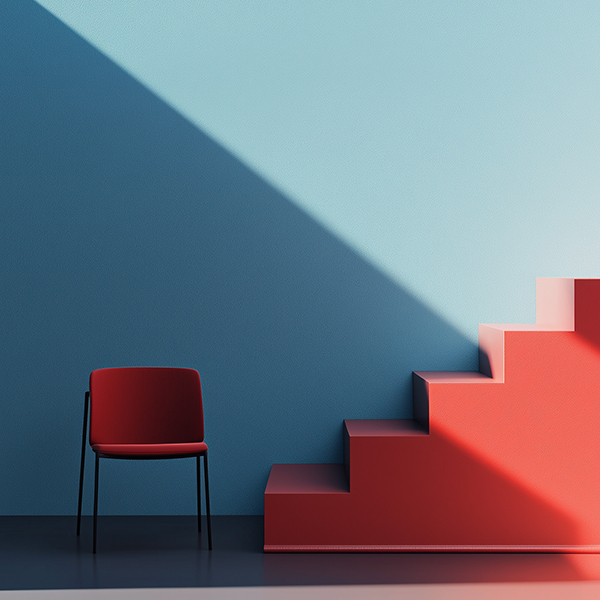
[130,237]
[304,201]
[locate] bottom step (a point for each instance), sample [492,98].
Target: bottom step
[308,508]
[307,479]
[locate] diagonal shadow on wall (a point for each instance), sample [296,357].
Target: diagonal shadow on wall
[130,237]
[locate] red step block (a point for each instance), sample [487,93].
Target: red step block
[505,459]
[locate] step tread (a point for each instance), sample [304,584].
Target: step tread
[308,479]
[455,377]
[383,427]
[521,326]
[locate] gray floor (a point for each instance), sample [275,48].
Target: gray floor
[165,552]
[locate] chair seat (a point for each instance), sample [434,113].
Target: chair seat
[151,450]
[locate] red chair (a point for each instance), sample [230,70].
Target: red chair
[145,413]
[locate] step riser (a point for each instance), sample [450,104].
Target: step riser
[491,352]
[555,303]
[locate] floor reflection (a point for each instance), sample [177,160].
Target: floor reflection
[165,552]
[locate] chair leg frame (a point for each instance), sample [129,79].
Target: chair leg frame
[198,495]
[208,528]
[82,468]
[96,478]
[207,499]
[96,502]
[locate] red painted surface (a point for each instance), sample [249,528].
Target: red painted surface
[506,459]
[146,405]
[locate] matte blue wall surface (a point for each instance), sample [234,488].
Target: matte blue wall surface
[130,237]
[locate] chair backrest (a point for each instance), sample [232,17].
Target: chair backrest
[145,405]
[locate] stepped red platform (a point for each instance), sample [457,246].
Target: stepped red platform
[505,459]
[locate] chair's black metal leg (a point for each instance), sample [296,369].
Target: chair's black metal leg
[81,470]
[207,501]
[96,502]
[198,496]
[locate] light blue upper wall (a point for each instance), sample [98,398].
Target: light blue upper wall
[305,203]
[452,144]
